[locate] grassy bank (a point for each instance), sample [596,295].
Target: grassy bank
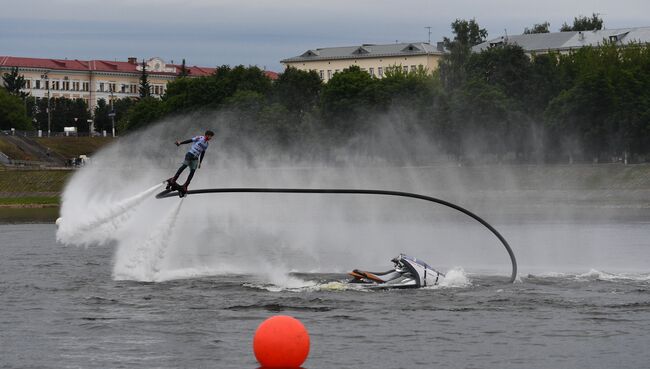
[21,183]
[74,146]
[29,201]
[68,147]
[31,195]
[12,151]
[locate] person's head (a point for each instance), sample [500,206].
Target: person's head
[208,134]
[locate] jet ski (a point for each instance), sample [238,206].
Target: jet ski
[407,272]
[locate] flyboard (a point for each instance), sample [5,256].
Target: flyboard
[172,191]
[172,186]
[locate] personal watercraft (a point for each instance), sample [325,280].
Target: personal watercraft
[407,272]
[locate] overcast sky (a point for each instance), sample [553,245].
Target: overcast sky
[216,32]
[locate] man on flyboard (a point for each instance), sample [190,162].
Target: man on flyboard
[193,159]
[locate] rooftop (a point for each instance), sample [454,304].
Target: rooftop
[367,51]
[570,40]
[155,66]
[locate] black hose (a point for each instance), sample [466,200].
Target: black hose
[513,276]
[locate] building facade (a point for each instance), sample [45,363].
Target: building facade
[374,59]
[93,80]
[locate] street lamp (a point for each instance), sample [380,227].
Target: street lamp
[49,115]
[112,112]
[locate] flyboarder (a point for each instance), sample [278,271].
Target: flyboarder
[193,159]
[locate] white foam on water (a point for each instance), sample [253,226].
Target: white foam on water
[454,278]
[594,274]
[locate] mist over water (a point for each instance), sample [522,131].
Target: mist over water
[110,203]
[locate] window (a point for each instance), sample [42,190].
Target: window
[28,83]
[38,84]
[406,68]
[336,71]
[111,87]
[372,71]
[380,71]
[86,86]
[329,74]
[57,84]
[123,88]
[321,73]
[101,86]
[413,68]
[47,85]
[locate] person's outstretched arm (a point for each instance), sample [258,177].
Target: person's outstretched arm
[183,142]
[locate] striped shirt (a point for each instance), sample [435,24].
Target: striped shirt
[199,145]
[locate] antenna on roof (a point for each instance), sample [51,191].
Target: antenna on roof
[429,28]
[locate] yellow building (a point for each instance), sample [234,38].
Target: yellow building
[374,59]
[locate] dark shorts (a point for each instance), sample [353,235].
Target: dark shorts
[191,161]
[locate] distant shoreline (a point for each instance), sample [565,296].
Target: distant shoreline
[29,214]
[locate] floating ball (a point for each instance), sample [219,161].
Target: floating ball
[281,342]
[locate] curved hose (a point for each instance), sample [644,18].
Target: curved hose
[513,276]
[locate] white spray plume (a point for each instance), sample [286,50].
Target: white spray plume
[111,202]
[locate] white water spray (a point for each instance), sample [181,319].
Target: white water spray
[111,202]
[98,223]
[141,260]
[262,234]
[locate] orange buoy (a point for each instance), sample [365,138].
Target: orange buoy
[281,342]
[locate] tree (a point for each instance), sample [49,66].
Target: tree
[297,90]
[69,113]
[120,106]
[141,114]
[466,33]
[184,72]
[506,67]
[482,115]
[210,92]
[538,28]
[277,128]
[348,94]
[12,112]
[582,23]
[101,119]
[452,65]
[145,88]
[14,83]
[544,83]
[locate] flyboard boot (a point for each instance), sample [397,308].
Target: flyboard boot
[182,190]
[171,182]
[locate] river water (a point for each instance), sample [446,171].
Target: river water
[582,301]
